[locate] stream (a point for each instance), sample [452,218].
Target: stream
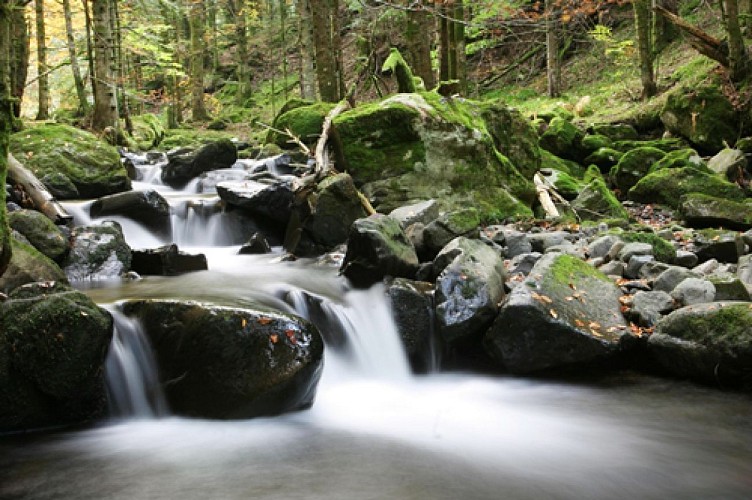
[376,431]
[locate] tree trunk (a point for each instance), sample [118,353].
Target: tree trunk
[701,41]
[418,35]
[238,12]
[198,108]
[6,118]
[105,98]
[644,47]
[663,31]
[326,40]
[83,103]
[19,57]
[307,54]
[283,40]
[458,37]
[43,80]
[553,64]
[444,65]
[737,53]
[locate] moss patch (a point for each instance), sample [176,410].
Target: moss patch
[663,250]
[667,186]
[305,122]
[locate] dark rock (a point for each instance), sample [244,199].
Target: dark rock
[60,186]
[649,307]
[700,211]
[166,261]
[564,139]
[271,200]
[40,231]
[191,163]
[98,252]
[220,362]
[564,314]
[706,342]
[635,264]
[28,265]
[377,247]
[729,287]
[724,246]
[468,290]
[633,166]
[448,227]
[412,306]
[516,243]
[256,244]
[53,343]
[148,208]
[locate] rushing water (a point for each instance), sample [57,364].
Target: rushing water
[376,431]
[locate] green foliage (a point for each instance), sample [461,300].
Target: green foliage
[616,49]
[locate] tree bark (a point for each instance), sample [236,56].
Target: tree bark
[238,12]
[458,44]
[701,41]
[553,64]
[196,19]
[43,83]
[6,118]
[40,196]
[737,53]
[19,56]
[105,98]
[83,103]
[419,34]
[326,41]
[307,53]
[644,47]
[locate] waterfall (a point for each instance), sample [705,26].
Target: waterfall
[131,372]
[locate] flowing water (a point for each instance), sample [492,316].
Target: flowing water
[376,431]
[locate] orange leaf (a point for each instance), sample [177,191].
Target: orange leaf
[264,321]
[579,322]
[274,338]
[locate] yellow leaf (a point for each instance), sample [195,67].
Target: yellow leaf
[553,313]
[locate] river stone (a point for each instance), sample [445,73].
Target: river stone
[468,289]
[167,260]
[729,163]
[709,342]
[99,252]
[40,231]
[633,166]
[188,164]
[28,265]
[729,287]
[565,314]
[693,291]
[724,246]
[230,363]
[668,279]
[516,243]
[272,200]
[701,211]
[148,208]
[423,212]
[448,227]
[53,344]
[630,250]
[412,307]
[649,307]
[601,246]
[377,247]
[256,244]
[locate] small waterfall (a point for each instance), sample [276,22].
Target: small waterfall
[131,372]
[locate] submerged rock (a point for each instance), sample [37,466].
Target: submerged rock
[98,252]
[564,314]
[53,344]
[190,163]
[166,261]
[148,208]
[228,363]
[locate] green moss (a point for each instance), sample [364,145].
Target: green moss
[563,139]
[148,131]
[726,326]
[633,166]
[90,163]
[667,186]
[680,158]
[663,250]
[593,142]
[178,138]
[305,122]
[568,269]
[597,201]
[550,160]
[395,65]
[665,145]
[615,131]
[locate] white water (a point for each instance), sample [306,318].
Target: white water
[377,432]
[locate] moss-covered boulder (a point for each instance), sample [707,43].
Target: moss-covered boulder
[709,342]
[564,139]
[565,314]
[604,158]
[221,362]
[685,157]
[303,119]
[615,131]
[412,147]
[596,201]
[449,226]
[702,115]
[148,131]
[663,250]
[28,265]
[594,142]
[89,163]
[729,163]
[53,343]
[633,166]
[700,211]
[41,232]
[668,185]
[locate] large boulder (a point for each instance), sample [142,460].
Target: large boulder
[565,314]
[666,186]
[271,200]
[633,166]
[41,232]
[564,139]
[709,342]
[412,147]
[377,247]
[53,344]
[166,261]
[304,119]
[702,115]
[71,156]
[98,253]
[191,163]
[700,210]
[448,226]
[469,288]
[148,208]
[221,362]
[28,265]
[595,201]
[412,307]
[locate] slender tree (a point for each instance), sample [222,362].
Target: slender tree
[737,53]
[644,46]
[553,62]
[326,43]
[83,103]
[105,98]
[418,35]
[6,118]
[43,81]
[306,49]
[238,12]
[197,30]
[19,54]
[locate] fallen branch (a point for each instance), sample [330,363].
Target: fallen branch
[543,189]
[37,192]
[701,41]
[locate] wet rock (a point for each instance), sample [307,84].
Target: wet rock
[377,247]
[693,291]
[40,231]
[565,314]
[231,363]
[166,261]
[148,208]
[448,227]
[187,164]
[412,306]
[28,265]
[649,307]
[53,344]
[706,342]
[272,200]
[423,212]
[256,244]
[98,253]
[469,289]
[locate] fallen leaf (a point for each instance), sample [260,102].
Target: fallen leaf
[264,320]
[553,313]
[579,322]
[274,338]
[243,322]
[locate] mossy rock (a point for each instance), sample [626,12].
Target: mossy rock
[702,115]
[604,158]
[615,131]
[700,210]
[148,131]
[633,166]
[550,160]
[596,201]
[193,138]
[667,186]
[513,136]
[304,122]
[686,157]
[564,139]
[594,142]
[744,145]
[41,232]
[28,265]
[666,145]
[91,164]
[663,250]
[566,185]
